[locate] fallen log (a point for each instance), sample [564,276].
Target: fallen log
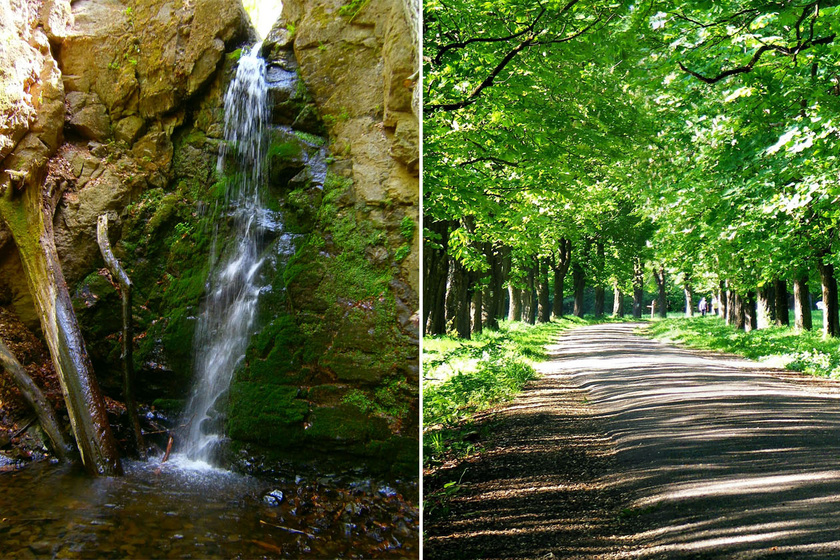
[29,217]
[119,273]
[36,400]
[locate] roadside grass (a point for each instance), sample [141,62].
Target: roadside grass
[784,347]
[463,378]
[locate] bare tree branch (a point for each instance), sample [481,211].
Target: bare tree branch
[462,44]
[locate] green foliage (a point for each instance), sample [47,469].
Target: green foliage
[352,9]
[310,138]
[467,376]
[407,227]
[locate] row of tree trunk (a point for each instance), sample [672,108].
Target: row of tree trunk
[770,304]
[458,299]
[466,301]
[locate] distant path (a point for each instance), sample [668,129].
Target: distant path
[677,455]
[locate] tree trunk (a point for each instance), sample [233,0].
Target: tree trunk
[750,315]
[739,315]
[128,331]
[638,288]
[561,268]
[477,308]
[723,301]
[559,280]
[502,304]
[782,306]
[436,274]
[765,312]
[579,282]
[662,297]
[831,319]
[530,298]
[600,297]
[36,400]
[495,294]
[458,300]
[545,303]
[689,300]
[600,294]
[515,313]
[802,304]
[731,309]
[29,217]
[618,302]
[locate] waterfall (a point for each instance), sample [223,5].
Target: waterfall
[227,316]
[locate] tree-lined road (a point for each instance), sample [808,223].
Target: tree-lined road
[633,448]
[721,458]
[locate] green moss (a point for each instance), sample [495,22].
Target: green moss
[392,400]
[284,150]
[266,414]
[402,252]
[166,209]
[170,405]
[345,422]
[310,138]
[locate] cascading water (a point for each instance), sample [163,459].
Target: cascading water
[227,318]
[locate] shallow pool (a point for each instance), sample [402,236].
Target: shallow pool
[181,509]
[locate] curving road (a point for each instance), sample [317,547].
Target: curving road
[718,457]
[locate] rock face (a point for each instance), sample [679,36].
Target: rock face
[337,365]
[122,100]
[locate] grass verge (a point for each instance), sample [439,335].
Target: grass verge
[784,347]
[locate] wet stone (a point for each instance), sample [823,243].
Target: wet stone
[273,498]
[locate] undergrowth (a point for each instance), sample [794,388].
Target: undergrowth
[805,351]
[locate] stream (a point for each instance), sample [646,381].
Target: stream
[185,509]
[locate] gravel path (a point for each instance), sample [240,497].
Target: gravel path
[722,459]
[632,448]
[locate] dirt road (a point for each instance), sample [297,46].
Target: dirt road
[677,454]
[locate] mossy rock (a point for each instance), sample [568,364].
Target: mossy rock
[327,395]
[355,365]
[345,423]
[400,455]
[170,406]
[266,414]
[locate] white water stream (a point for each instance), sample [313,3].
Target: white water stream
[227,317]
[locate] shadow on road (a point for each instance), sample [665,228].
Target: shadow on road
[722,460]
[631,448]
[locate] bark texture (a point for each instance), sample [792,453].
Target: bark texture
[831,319]
[36,400]
[29,217]
[780,295]
[560,266]
[127,357]
[802,304]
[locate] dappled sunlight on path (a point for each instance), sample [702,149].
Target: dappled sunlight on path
[722,460]
[537,490]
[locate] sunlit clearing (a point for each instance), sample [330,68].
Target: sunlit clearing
[264,14]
